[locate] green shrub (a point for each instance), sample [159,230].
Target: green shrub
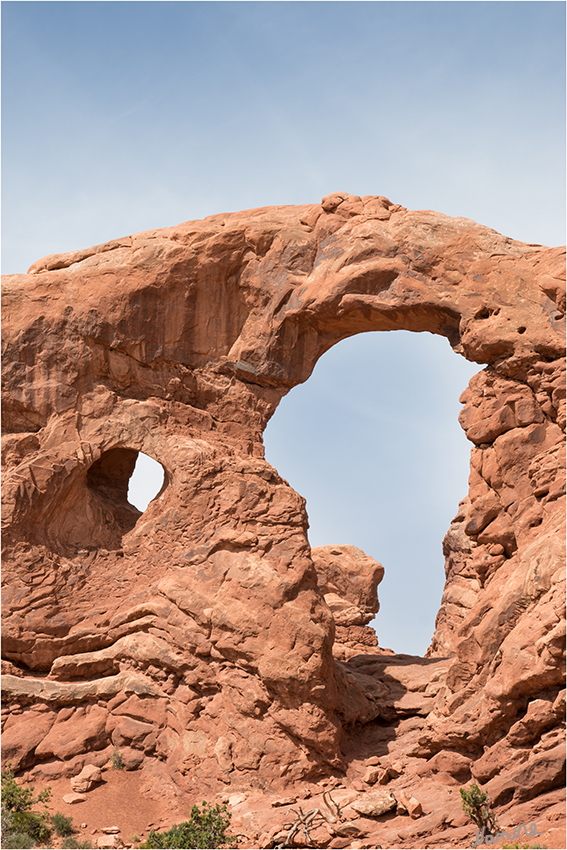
[477,806]
[73,844]
[116,760]
[11,838]
[516,845]
[206,829]
[25,824]
[63,825]
[18,799]
[35,825]
[17,841]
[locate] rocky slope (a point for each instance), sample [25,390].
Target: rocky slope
[204,639]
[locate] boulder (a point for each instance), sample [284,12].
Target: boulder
[374,804]
[109,842]
[71,799]
[90,775]
[407,803]
[372,775]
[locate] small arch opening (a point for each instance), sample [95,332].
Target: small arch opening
[121,484]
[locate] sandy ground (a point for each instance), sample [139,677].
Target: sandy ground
[119,801]
[116,801]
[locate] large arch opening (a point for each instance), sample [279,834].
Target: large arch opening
[372,442]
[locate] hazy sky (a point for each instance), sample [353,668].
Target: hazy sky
[124,116]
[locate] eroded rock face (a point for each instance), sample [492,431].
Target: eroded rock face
[348,580]
[198,638]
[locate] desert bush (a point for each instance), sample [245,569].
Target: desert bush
[63,825]
[476,805]
[73,844]
[18,799]
[17,803]
[11,838]
[206,829]
[116,760]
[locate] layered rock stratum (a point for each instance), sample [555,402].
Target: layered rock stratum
[204,639]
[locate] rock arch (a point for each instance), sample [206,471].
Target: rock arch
[185,339]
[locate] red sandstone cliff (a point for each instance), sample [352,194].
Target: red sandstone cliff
[198,638]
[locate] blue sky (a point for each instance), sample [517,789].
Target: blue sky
[123,116]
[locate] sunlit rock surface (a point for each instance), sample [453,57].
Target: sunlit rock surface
[197,638]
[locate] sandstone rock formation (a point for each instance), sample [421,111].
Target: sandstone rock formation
[85,780]
[348,580]
[198,637]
